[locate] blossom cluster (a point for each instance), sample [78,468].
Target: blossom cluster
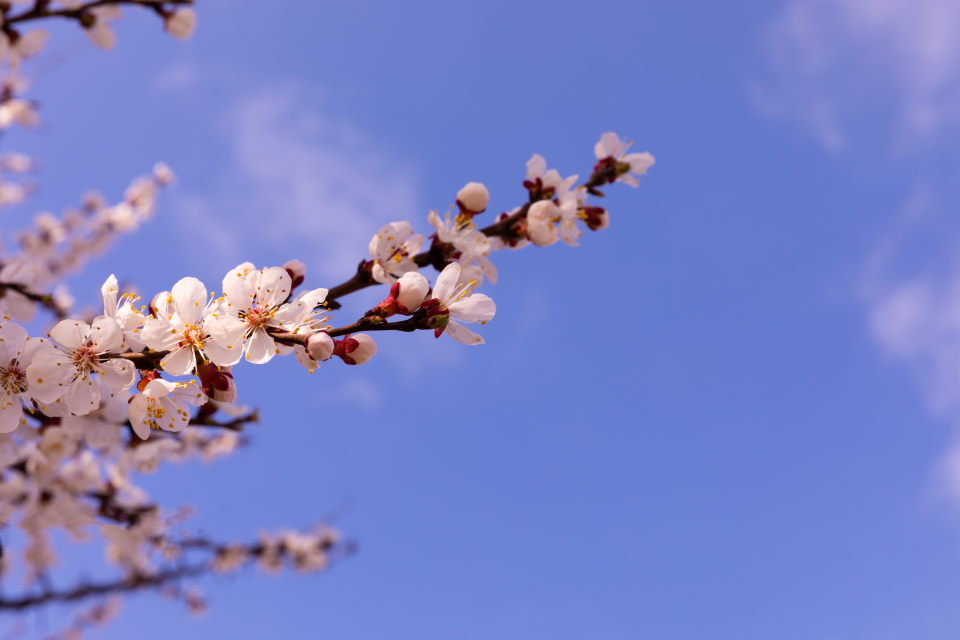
[96,400]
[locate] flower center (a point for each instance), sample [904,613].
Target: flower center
[85,359]
[193,335]
[13,379]
[258,317]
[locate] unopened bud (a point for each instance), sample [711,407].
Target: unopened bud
[181,23]
[473,197]
[355,349]
[297,271]
[320,346]
[410,291]
[540,222]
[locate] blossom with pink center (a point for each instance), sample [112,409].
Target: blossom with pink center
[611,150]
[453,303]
[180,326]
[65,369]
[255,302]
[392,250]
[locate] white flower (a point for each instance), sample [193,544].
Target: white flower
[473,197]
[471,246]
[66,372]
[121,309]
[611,148]
[164,405]
[454,303]
[16,354]
[392,250]
[253,300]
[181,326]
[181,22]
[542,182]
[541,219]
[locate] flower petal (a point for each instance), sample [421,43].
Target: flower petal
[477,307]
[181,361]
[189,299]
[461,334]
[260,347]
[71,333]
[273,287]
[117,374]
[446,281]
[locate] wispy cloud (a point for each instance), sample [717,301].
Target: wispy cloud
[890,69]
[295,178]
[831,60]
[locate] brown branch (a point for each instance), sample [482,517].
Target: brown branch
[133,583]
[42,10]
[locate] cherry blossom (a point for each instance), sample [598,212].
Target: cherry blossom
[610,149]
[16,354]
[454,303]
[392,249]
[181,328]
[64,370]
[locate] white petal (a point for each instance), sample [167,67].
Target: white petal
[159,388]
[118,374]
[48,373]
[228,331]
[82,396]
[461,334]
[13,338]
[107,335]
[446,281]
[110,292]
[180,362]
[71,333]
[238,285]
[477,307]
[221,355]
[260,347]
[11,413]
[189,299]
[138,416]
[159,334]
[273,287]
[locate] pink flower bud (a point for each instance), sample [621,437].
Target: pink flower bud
[473,197]
[320,346]
[181,23]
[355,349]
[297,271]
[163,174]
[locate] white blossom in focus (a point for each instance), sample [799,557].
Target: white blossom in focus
[64,370]
[181,326]
[392,250]
[454,303]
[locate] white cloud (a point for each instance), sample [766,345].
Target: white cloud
[298,180]
[834,60]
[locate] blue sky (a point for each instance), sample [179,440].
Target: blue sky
[733,414]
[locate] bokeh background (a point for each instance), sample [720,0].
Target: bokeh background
[731,415]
